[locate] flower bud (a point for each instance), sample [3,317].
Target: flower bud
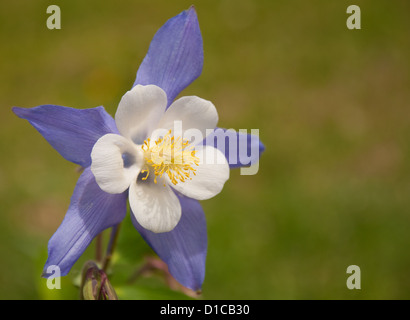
[95,284]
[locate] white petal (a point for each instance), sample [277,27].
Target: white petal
[115,162]
[194,113]
[139,111]
[154,205]
[211,175]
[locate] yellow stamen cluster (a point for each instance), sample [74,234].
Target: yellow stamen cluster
[170,155]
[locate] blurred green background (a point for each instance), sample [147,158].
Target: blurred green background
[332,107]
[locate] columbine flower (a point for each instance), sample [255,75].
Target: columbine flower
[125,157]
[150,158]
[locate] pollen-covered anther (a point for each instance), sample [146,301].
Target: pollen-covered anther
[171,155]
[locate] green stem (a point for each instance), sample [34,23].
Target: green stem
[98,248]
[111,246]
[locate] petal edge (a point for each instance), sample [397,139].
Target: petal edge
[91,211]
[72,132]
[183,249]
[175,56]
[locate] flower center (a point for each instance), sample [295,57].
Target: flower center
[171,155]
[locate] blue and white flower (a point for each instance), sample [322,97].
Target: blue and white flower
[152,160]
[125,158]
